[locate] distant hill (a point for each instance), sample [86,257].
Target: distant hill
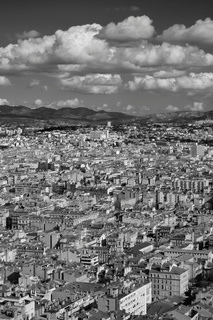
[176,117]
[82,115]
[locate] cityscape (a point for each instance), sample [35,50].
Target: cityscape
[112,221]
[106,160]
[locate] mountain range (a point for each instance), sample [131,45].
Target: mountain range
[83,115]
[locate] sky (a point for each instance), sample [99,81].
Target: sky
[133,56]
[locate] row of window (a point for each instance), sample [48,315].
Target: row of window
[159,275]
[163,281]
[162,287]
[158,293]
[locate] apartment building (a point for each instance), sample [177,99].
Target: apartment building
[190,184]
[51,239]
[168,281]
[133,299]
[89,259]
[136,302]
[197,254]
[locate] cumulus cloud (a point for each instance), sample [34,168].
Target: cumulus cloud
[4,81]
[201,82]
[34,82]
[38,102]
[70,103]
[147,54]
[130,107]
[77,45]
[151,83]
[93,83]
[172,108]
[28,34]
[81,50]
[169,73]
[196,106]
[201,31]
[144,108]
[4,102]
[132,28]
[67,103]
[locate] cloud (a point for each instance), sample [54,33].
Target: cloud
[38,102]
[45,88]
[67,103]
[80,50]
[166,54]
[102,108]
[28,34]
[131,8]
[151,83]
[77,45]
[72,103]
[200,82]
[4,81]
[93,83]
[34,82]
[105,105]
[197,106]
[171,108]
[118,103]
[134,8]
[132,28]
[169,73]
[201,31]
[129,107]
[4,102]
[144,108]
